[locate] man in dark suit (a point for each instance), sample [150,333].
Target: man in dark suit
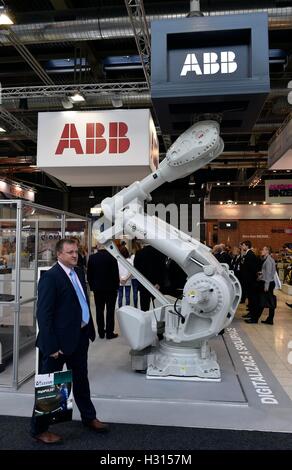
[65,327]
[250,267]
[104,280]
[152,264]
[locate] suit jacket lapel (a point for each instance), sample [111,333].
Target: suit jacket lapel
[69,283]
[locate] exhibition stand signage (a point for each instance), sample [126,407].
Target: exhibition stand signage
[98,147]
[214,64]
[279,191]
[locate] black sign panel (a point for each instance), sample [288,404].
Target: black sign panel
[217,64]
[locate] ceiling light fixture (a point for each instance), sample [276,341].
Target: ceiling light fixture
[77,97]
[4,16]
[117,101]
[2,130]
[91,195]
[192,193]
[67,103]
[192,181]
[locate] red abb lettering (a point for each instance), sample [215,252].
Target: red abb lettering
[69,140]
[95,142]
[118,143]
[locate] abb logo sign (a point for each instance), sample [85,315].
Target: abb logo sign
[211,64]
[95,141]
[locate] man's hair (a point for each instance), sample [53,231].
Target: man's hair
[124,252]
[247,243]
[269,248]
[60,244]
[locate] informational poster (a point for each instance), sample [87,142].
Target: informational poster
[53,396]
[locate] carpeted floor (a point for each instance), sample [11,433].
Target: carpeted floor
[14,435]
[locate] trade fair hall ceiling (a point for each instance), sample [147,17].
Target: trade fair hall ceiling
[103,50]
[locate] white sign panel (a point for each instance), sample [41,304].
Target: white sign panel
[280,150]
[97,147]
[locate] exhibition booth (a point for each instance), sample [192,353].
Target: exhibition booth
[117,147]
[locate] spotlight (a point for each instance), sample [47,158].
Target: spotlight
[2,130]
[77,97]
[192,193]
[117,101]
[4,17]
[91,195]
[192,181]
[67,103]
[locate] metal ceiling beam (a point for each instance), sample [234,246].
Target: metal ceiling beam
[16,124]
[136,13]
[118,27]
[9,137]
[29,58]
[92,89]
[16,161]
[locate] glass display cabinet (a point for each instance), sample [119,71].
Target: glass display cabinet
[28,235]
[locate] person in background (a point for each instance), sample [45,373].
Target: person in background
[235,262]
[267,285]
[65,328]
[249,269]
[103,279]
[136,246]
[223,256]
[82,261]
[125,278]
[176,279]
[151,263]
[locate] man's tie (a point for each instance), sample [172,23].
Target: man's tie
[81,298]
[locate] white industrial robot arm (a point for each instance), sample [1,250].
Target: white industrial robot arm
[211,293]
[194,149]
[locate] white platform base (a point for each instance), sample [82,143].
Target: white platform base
[287,289]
